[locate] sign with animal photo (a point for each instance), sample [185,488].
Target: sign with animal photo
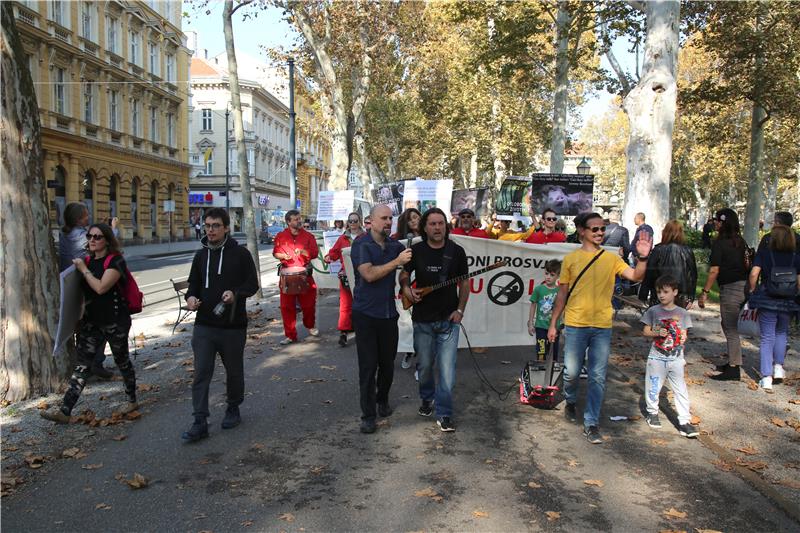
[476,199]
[390,194]
[566,194]
[425,194]
[514,199]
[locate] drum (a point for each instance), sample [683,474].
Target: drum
[294,280]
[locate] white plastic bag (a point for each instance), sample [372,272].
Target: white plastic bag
[748,322]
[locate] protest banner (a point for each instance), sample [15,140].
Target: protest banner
[329,238]
[390,194]
[499,301]
[70,306]
[514,199]
[476,199]
[424,194]
[566,194]
[334,205]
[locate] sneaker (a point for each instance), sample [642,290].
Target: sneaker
[314,332]
[688,431]
[198,430]
[286,341]
[343,340]
[102,372]
[368,425]
[384,410]
[731,373]
[778,374]
[766,383]
[653,421]
[445,424]
[129,408]
[426,409]
[55,415]
[570,413]
[406,362]
[592,434]
[232,417]
[584,373]
[416,375]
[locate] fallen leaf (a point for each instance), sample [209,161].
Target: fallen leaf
[34,461]
[102,507]
[755,466]
[247,523]
[795,402]
[722,465]
[552,516]
[70,452]
[573,462]
[429,493]
[119,438]
[594,482]
[792,465]
[16,429]
[791,483]
[659,442]
[698,530]
[695,420]
[327,367]
[138,481]
[146,387]
[747,450]
[289,517]
[674,513]
[793,423]
[534,485]
[752,385]
[42,405]
[314,380]
[778,422]
[133,415]
[480,514]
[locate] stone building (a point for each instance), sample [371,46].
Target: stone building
[111,84]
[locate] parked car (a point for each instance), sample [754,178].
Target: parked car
[268,233]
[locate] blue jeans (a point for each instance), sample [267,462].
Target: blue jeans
[774,335]
[437,342]
[576,341]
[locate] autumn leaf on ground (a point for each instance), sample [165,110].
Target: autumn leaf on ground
[778,421]
[534,485]
[722,465]
[327,367]
[119,438]
[792,465]
[791,483]
[429,493]
[92,466]
[659,442]
[755,466]
[480,514]
[102,507]
[70,452]
[146,387]
[698,530]
[552,516]
[43,405]
[314,380]
[593,482]
[138,481]
[795,402]
[133,415]
[674,513]
[747,450]
[695,420]
[34,461]
[793,423]
[752,385]
[573,462]
[289,517]
[247,523]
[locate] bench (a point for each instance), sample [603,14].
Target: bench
[183,311]
[631,301]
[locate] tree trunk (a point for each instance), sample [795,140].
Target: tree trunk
[560,100]
[499,166]
[238,132]
[755,176]
[650,107]
[473,168]
[28,274]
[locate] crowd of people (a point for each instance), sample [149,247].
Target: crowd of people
[573,306]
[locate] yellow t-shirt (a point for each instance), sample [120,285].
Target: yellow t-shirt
[590,303]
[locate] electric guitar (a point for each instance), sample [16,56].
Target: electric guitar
[424,291]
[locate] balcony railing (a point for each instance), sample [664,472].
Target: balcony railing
[27,15]
[61,33]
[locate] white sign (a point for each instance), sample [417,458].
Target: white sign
[334,205]
[424,194]
[169,206]
[329,238]
[70,308]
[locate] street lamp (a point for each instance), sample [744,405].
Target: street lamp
[227,162]
[583,167]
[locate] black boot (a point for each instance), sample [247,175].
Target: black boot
[199,430]
[731,373]
[101,372]
[232,417]
[343,339]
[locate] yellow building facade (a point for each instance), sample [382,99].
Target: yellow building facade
[111,84]
[313,157]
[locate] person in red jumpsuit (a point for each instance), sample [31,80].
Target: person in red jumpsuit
[296,247]
[466,225]
[354,231]
[548,232]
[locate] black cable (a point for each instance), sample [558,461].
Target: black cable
[502,396]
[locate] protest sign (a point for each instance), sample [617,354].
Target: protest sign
[514,199]
[329,238]
[424,194]
[566,194]
[390,194]
[476,199]
[334,205]
[70,308]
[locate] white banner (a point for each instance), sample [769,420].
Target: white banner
[70,307]
[499,301]
[329,238]
[424,194]
[334,205]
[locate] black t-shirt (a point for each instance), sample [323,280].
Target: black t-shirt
[728,255]
[110,307]
[427,263]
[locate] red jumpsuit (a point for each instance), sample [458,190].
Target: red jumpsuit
[345,296]
[474,232]
[290,244]
[540,237]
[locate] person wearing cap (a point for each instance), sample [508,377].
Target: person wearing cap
[466,225]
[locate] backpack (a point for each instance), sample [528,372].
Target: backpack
[782,281]
[130,290]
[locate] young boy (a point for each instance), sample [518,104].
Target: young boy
[542,301]
[667,325]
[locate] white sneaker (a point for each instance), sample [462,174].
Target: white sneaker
[314,332]
[286,341]
[778,373]
[766,383]
[416,375]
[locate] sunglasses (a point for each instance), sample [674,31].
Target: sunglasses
[598,229]
[95,236]
[213,226]
[551,219]
[353,221]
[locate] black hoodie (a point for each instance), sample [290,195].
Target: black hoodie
[215,270]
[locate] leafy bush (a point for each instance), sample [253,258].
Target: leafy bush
[694,238]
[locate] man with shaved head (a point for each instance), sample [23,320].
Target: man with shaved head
[376,258]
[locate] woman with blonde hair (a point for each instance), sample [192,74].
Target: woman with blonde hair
[671,257]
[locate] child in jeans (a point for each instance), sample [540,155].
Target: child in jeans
[667,324]
[542,301]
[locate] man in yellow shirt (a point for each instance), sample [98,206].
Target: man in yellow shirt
[588,315]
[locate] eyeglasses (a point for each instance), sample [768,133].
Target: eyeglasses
[214,226]
[551,219]
[598,229]
[95,236]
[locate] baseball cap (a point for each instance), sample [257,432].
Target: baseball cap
[466,211]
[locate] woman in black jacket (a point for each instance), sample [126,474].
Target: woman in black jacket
[671,256]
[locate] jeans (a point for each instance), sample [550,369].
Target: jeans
[437,342]
[774,336]
[207,341]
[376,344]
[598,341]
[659,371]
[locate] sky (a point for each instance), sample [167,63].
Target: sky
[269,29]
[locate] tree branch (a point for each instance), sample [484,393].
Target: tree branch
[638,5]
[241,4]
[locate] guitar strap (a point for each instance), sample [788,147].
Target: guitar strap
[595,258]
[447,260]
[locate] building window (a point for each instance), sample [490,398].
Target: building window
[207,120]
[170,129]
[87,20]
[59,91]
[154,58]
[135,118]
[209,164]
[88,102]
[57,11]
[113,107]
[135,48]
[111,26]
[154,124]
[170,68]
